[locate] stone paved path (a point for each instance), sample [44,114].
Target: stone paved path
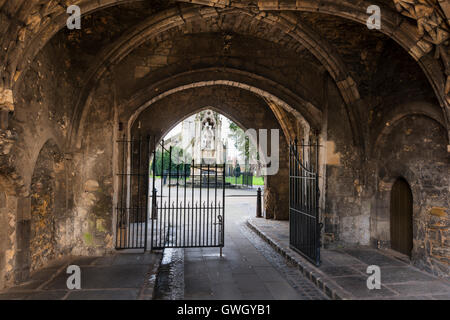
[123,276]
[344,270]
[249,268]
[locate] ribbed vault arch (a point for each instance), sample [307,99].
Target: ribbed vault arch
[22,44]
[173,18]
[278,96]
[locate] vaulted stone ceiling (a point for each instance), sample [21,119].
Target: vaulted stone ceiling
[329,32]
[25,21]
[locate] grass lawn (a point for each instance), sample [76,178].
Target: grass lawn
[257,181]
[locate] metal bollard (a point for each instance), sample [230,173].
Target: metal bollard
[258,204]
[154,204]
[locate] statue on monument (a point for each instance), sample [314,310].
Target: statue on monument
[208,137]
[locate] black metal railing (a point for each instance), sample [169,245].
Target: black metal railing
[305,226]
[235,177]
[184,202]
[132,201]
[189,211]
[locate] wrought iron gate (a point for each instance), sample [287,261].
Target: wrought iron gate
[132,200]
[305,226]
[185,207]
[188,203]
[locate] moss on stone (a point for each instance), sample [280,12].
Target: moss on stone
[88,239]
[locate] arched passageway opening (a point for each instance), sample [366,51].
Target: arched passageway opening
[44,230]
[195,169]
[246,110]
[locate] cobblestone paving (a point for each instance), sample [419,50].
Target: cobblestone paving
[249,268]
[291,273]
[344,270]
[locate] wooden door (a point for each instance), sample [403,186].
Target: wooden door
[401,217]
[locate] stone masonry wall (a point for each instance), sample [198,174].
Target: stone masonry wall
[362,89]
[415,149]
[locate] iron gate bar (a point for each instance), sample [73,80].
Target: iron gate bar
[202,228]
[304,201]
[132,204]
[154,200]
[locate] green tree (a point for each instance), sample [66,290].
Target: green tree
[243,144]
[162,161]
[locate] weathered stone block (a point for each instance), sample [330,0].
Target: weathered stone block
[439,212]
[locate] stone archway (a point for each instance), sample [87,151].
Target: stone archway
[276,96]
[44,206]
[82,89]
[44,232]
[245,108]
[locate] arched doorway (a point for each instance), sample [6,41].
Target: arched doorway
[401,217]
[47,227]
